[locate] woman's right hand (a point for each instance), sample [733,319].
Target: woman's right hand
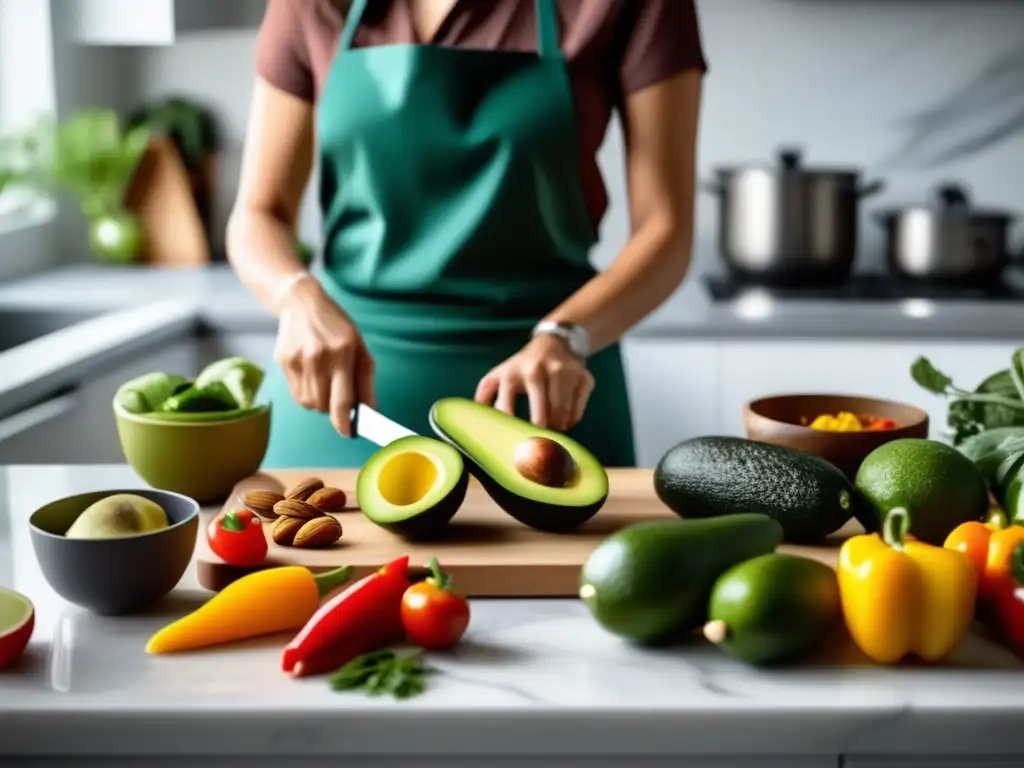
[323,355]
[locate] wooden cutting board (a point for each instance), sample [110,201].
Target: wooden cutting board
[486,552]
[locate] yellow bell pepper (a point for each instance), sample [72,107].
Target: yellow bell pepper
[903,597]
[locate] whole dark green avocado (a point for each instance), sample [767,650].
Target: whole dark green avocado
[714,476]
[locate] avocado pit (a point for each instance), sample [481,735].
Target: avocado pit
[544,461]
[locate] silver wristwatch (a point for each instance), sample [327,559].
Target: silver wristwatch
[574,336]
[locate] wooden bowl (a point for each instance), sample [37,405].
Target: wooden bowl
[777,420]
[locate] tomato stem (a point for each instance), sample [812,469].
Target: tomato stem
[438,577]
[230,522]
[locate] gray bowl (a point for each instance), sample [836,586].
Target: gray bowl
[121,575]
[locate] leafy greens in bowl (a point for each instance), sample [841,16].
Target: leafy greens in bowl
[223,391]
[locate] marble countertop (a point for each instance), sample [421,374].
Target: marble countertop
[138,308]
[531,677]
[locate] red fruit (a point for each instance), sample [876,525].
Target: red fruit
[17,620]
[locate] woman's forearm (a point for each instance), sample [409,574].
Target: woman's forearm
[645,273]
[262,251]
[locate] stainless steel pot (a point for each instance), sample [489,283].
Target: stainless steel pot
[789,224]
[948,240]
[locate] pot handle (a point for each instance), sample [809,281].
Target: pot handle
[953,196]
[871,188]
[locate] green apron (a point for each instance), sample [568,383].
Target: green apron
[454,220]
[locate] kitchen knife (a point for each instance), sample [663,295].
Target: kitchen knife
[376,427]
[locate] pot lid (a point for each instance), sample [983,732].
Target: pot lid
[790,161]
[951,199]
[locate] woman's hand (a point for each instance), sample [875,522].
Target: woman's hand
[324,358]
[556,382]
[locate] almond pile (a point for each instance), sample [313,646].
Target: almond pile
[303,515]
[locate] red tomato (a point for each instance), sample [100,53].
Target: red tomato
[434,617]
[237,538]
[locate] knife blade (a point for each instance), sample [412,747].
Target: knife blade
[376,427]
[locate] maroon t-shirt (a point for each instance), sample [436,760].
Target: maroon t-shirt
[612,47]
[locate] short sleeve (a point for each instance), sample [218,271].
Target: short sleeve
[663,39]
[282,54]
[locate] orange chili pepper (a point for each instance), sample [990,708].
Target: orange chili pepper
[990,548]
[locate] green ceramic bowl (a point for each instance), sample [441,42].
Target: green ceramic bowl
[203,459]
[114,576]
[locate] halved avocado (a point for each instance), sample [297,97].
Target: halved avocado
[488,438]
[413,487]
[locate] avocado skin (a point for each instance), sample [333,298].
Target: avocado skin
[541,516]
[776,607]
[713,476]
[651,581]
[433,521]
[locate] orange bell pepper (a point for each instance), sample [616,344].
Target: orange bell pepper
[260,603]
[901,596]
[990,547]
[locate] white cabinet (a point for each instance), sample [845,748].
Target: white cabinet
[873,368]
[78,427]
[155,22]
[674,393]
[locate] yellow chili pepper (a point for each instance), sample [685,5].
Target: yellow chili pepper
[259,603]
[902,596]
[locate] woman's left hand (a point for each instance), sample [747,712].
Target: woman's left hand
[555,381]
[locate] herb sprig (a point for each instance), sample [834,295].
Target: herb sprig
[383,672]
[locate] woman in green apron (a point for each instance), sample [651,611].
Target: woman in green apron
[456,186]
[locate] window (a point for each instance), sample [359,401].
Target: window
[27,94]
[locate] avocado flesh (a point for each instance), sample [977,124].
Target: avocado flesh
[413,487]
[488,438]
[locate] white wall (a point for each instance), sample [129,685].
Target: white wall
[840,77]
[83,76]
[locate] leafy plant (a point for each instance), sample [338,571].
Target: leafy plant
[997,402]
[94,159]
[23,159]
[191,128]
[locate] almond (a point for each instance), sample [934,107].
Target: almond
[262,503]
[328,500]
[305,488]
[296,508]
[285,529]
[319,532]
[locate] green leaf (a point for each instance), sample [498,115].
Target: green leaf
[1017,372]
[930,377]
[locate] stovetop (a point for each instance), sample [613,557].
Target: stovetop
[868,287]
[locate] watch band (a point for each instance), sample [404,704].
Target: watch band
[575,336]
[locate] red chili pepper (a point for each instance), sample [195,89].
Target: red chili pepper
[1002,610]
[434,616]
[365,617]
[237,538]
